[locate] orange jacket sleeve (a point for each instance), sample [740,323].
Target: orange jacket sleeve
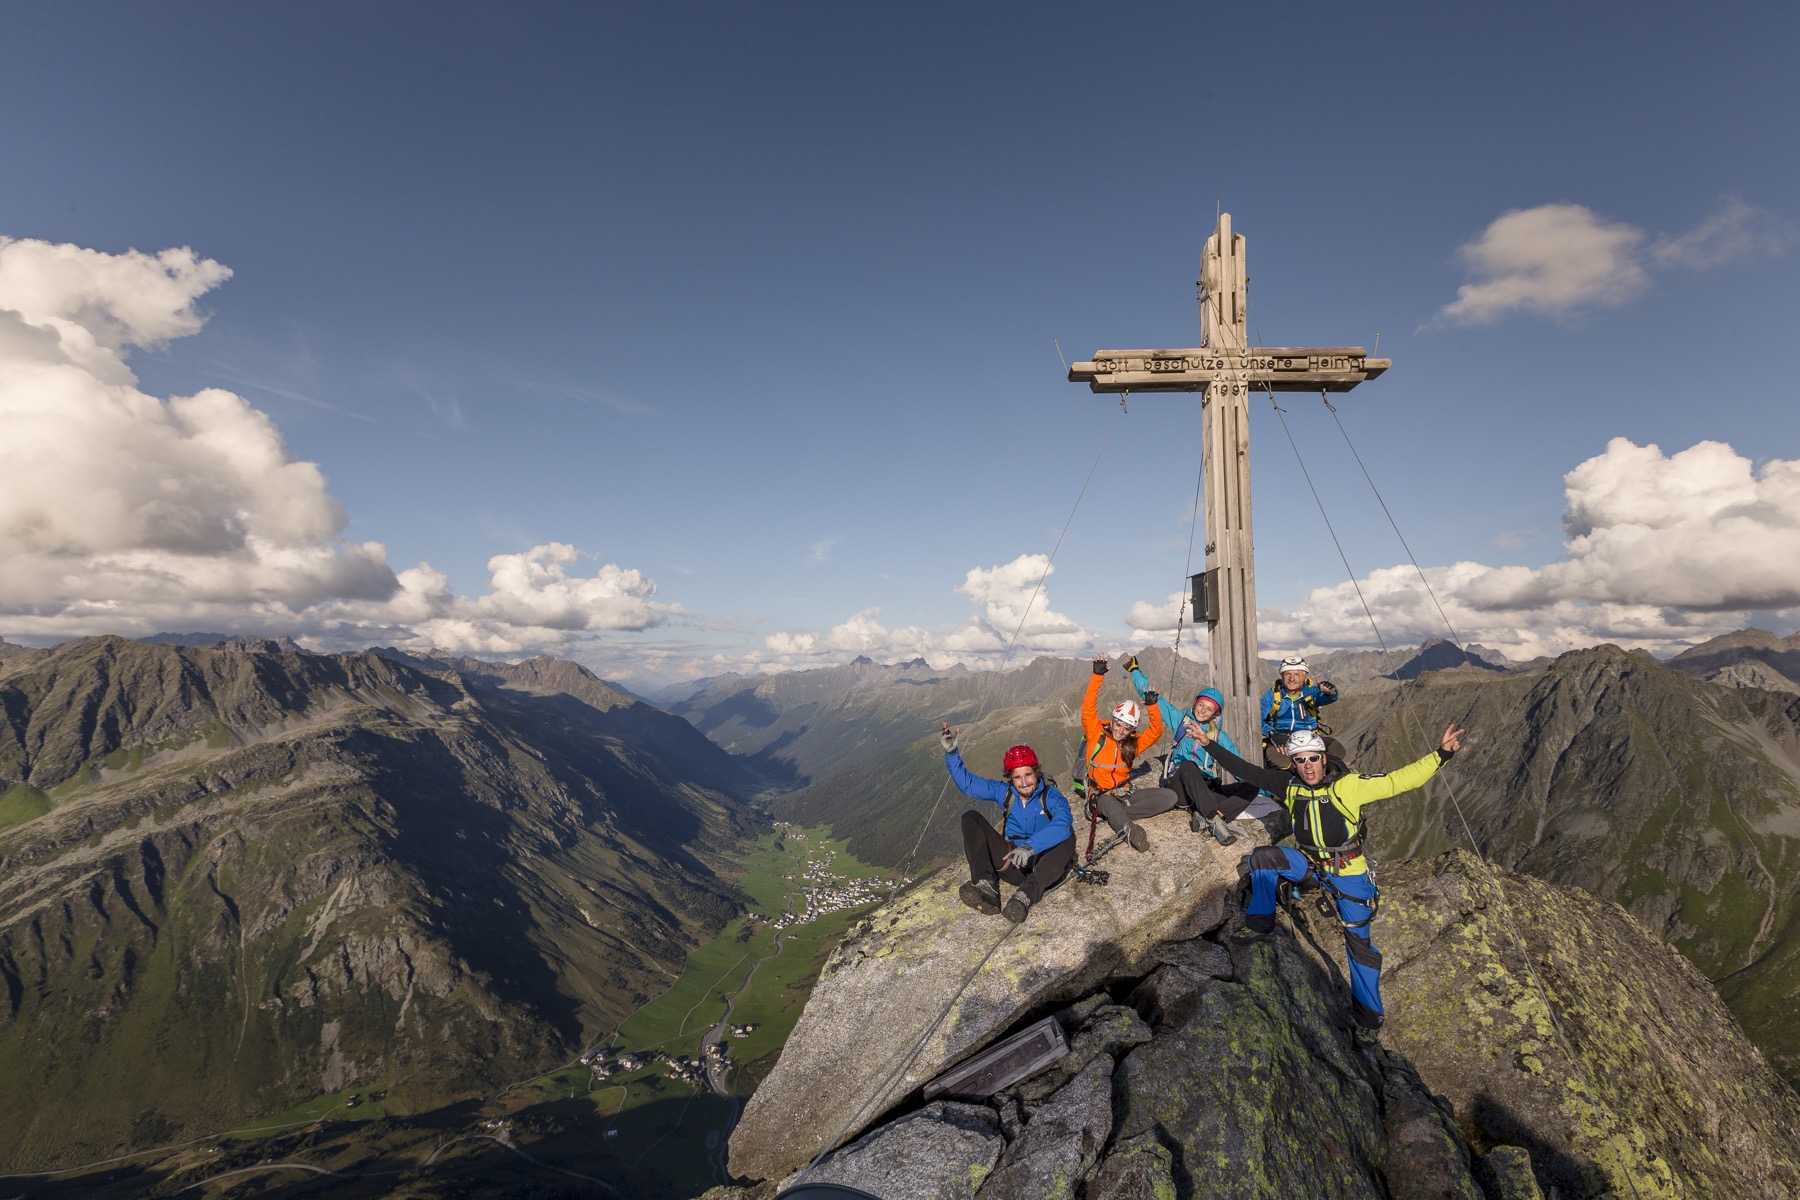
[1090,711]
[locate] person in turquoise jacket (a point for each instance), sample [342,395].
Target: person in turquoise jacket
[1035,845]
[1191,771]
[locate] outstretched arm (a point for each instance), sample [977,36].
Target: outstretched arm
[1361,789]
[974,786]
[1271,781]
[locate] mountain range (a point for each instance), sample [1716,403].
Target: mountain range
[1671,787]
[238,876]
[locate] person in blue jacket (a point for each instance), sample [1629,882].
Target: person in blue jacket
[1191,771]
[1035,846]
[1291,705]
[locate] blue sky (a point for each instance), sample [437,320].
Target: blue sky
[760,305]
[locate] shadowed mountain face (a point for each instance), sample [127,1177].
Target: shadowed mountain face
[235,879]
[1358,666]
[1748,658]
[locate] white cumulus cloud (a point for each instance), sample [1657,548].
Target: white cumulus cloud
[1552,259]
[1662,550]
[122,512]
[1559,259]
[1015,622]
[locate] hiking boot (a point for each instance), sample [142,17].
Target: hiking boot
[1221,830]
[1247,935]
[1140,841]
[1016,908]
[1196,822]
[983,897]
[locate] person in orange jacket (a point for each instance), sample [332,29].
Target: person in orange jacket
[1113,749]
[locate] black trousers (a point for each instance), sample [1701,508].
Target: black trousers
[1206,795]
[1142,802]
[985,848]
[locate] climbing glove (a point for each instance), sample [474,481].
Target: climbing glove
[1100,666]
[1018,856]
[1131,664]
[1150,697]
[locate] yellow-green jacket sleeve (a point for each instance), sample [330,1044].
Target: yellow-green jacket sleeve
[1354,791]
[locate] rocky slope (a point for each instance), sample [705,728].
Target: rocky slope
[1748,658]
[235,879]
[1607,770]
[1231,1071]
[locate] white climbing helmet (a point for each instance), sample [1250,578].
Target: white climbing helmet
[1128,714]
[1294,662]
[1304,741]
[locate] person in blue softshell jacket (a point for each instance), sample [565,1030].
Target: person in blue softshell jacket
[1035,846]
[1291,705]
[1191,772]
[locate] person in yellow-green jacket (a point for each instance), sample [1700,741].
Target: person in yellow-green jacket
[1325,800]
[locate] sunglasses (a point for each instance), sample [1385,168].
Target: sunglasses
[1309,758]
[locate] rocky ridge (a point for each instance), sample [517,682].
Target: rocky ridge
[1228,1070]
[1677,798]
[924,981]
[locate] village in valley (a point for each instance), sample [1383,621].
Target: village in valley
[810,878]
[822,889]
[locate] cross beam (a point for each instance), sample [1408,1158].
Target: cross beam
[1226,370]
[1283,368]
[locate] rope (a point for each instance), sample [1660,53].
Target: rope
[1013,642]
[1342,557]
[914,1052]
[1455,638]
[1462,817]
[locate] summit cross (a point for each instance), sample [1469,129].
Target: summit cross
[1226,369]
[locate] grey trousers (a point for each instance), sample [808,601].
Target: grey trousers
[1143,802]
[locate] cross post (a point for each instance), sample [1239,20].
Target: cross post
[1226,370]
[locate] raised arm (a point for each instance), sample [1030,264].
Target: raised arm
[1090,702]
[1170,714]
[974,786]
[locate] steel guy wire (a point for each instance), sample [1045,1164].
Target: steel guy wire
[1023,616]
[1468,831]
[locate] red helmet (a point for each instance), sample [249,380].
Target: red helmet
[1018,756]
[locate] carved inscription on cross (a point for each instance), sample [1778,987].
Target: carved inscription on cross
[1227,370]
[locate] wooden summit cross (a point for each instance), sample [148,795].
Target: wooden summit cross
[1227,370]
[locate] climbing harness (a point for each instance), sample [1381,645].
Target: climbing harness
[1085,870]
